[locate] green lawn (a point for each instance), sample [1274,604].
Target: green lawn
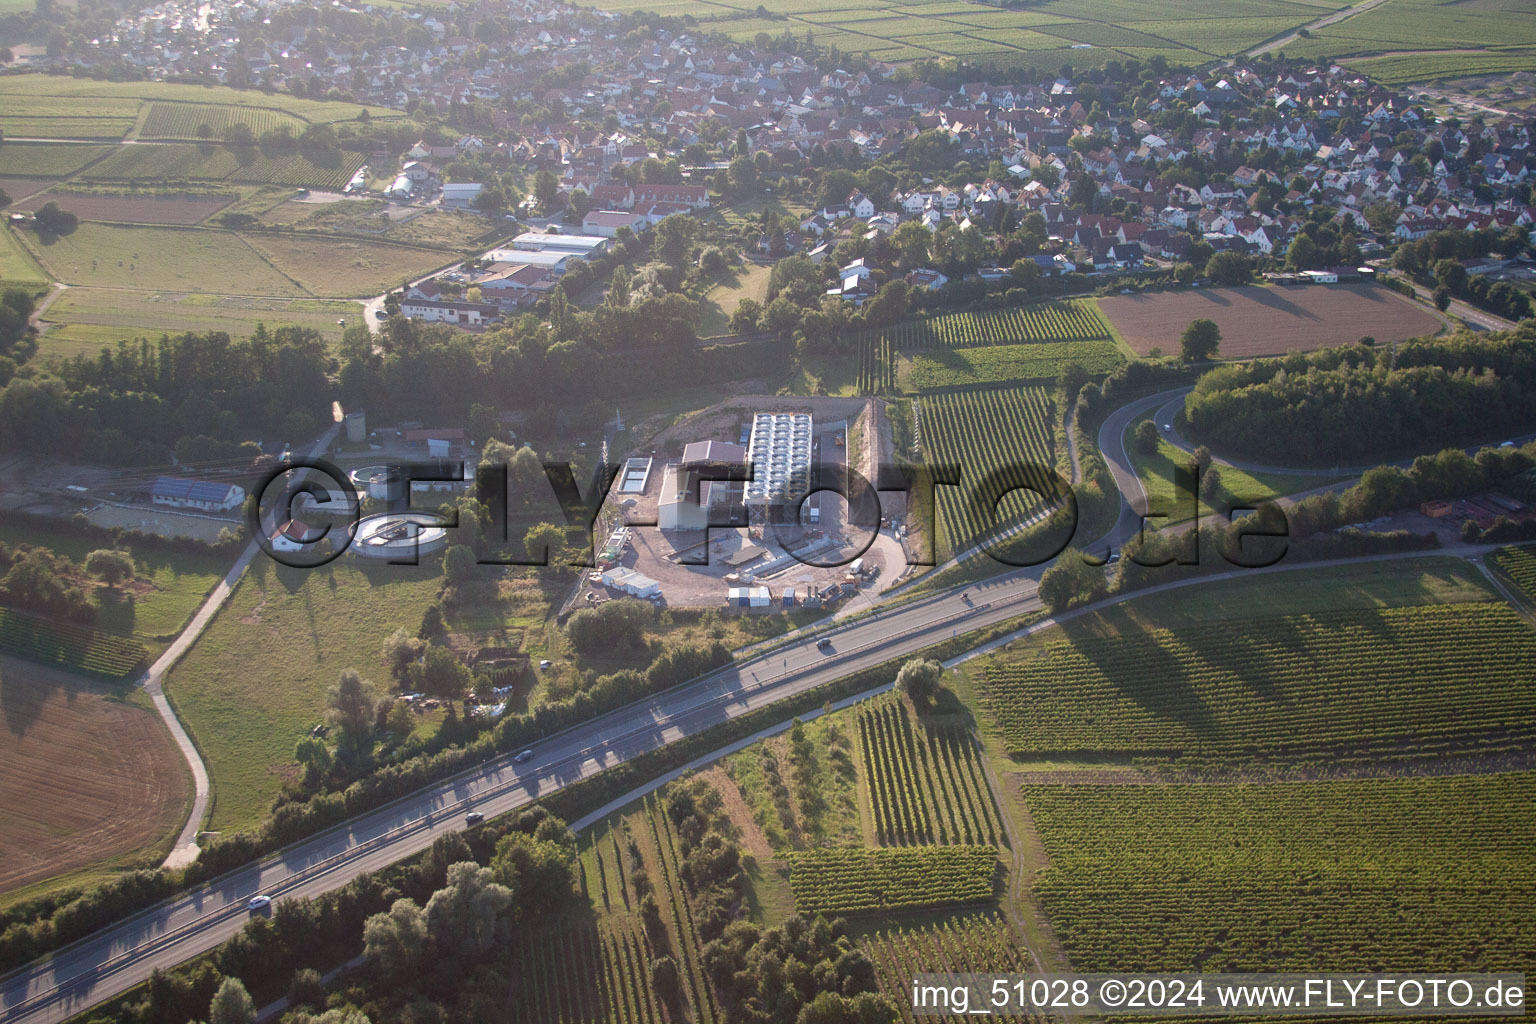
[255,682]
[1238,487]
[748,281]
[192,260]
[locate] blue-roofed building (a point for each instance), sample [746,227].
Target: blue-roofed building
[179,492]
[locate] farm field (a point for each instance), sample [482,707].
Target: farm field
[133,209]
[973,943]
[1034,342]
[21,188]
[314,623]
[801,789]
[1258,321]
[1330,688]
[16,264]
[852,881]
[1395,874]
[641,838]
[1069,320]
[1041,361]
[90,783]
[1043,37]
[64,125]
[88,318]
[1238,487]
[925,781]
[71,646]
[155,258]
[52,95]
[161,162]
[44,161]
[343,266]
[162,120]
[433,227]
[1404,68]
[1442,35]
[1007,431]
[1519,564]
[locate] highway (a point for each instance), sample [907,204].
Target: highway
[112,961]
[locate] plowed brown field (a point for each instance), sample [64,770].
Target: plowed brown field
[1268,321]
[84,779]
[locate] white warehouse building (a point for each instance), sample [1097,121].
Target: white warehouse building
[460,195]
[779,452]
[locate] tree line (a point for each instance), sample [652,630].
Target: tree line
[199,396]
[1345,404]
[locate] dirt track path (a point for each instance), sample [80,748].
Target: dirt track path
[1312,26]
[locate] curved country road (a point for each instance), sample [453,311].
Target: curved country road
[185,850]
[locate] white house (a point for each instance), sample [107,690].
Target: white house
[470,313]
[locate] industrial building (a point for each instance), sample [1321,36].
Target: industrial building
[399,536]
[689,499]
[627,581]
[179,492]
[553,260]
[779,451]
[461,195]
[585,246]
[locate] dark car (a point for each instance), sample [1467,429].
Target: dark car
[825,643]
[473,818]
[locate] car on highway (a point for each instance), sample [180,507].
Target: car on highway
[825,643]
[473,818]
[526,755]
[258,904]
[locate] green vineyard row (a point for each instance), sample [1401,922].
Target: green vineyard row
[925,783]
[1399,682]
[1394,874]
[847,880]
[1006,434]
[69,646]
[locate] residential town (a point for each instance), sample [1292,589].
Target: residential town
[1128,168]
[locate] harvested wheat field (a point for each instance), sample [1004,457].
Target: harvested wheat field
[1268,321]
[85,780]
